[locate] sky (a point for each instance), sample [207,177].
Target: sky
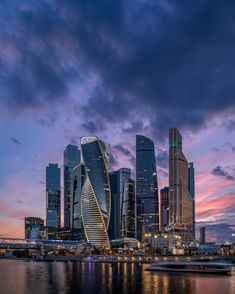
[116,69]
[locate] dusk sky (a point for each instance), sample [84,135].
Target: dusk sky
[116,69]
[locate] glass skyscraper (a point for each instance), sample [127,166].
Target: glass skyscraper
[164,204]
[146,188]
[72,158]
[53,203]
[32,224]
[114,229]
[77,177]
[118,180]
[96,197]
[191,187]
[180,198]
[128,210]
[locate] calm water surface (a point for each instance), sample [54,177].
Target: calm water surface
[22,277]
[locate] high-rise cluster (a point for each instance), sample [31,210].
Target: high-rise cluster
[100,206]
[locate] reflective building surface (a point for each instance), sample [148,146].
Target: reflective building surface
[118,180]
[77,177]
[114,229]
[96,196]
[32,226]
[53,203]
[164,204]
[191,187]
[128,210]
[180,198]
[146,188]
[72,158]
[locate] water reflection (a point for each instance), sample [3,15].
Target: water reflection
[24,277]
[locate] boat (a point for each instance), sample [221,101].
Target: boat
[197,267]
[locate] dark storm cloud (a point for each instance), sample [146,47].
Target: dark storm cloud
[171,64]
[219,171]
[135,127]
[126,152]
[113,162]
[15,141]
[48,121]
[162,158]
[74,141]
[233,149]
[93,127]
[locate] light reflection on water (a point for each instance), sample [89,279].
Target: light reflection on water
[28,277]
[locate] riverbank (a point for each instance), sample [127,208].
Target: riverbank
[124,259]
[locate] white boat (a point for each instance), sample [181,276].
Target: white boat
[190,266]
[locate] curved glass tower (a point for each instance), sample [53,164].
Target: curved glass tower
[96,197]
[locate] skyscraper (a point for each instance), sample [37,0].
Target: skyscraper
[32,225]
[72,158]
[164,204]
[191,187]
[114,229]
[53,206]
[128,210]
[118,180]
[96,197]
[202,235]
[77,177]
[180,199]
[146,188]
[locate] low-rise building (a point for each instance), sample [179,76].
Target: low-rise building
[166,243]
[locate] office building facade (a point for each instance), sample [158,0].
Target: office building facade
[77,177]
[164,211]
[114,229]
[53,201]
[72,158]
[180,198]
[32,226]
[128,210]
[118,180]
[191,187]
[202,235]
[96,196]
[146,188]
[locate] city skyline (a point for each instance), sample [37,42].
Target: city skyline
[40,213]
[109,70]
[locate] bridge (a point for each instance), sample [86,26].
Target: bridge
[17,243]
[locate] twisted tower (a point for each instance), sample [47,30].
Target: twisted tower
[96,197]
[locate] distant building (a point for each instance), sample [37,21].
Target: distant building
[72,158]
[32,226]
[146,188]
[202,235]
[48,233]
[117,180]
[128,210]
[164,204]
[53,202]
[125,244]
[180,198]
[96,196]
[191,187]
[77,178]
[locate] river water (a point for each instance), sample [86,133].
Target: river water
[30,277]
